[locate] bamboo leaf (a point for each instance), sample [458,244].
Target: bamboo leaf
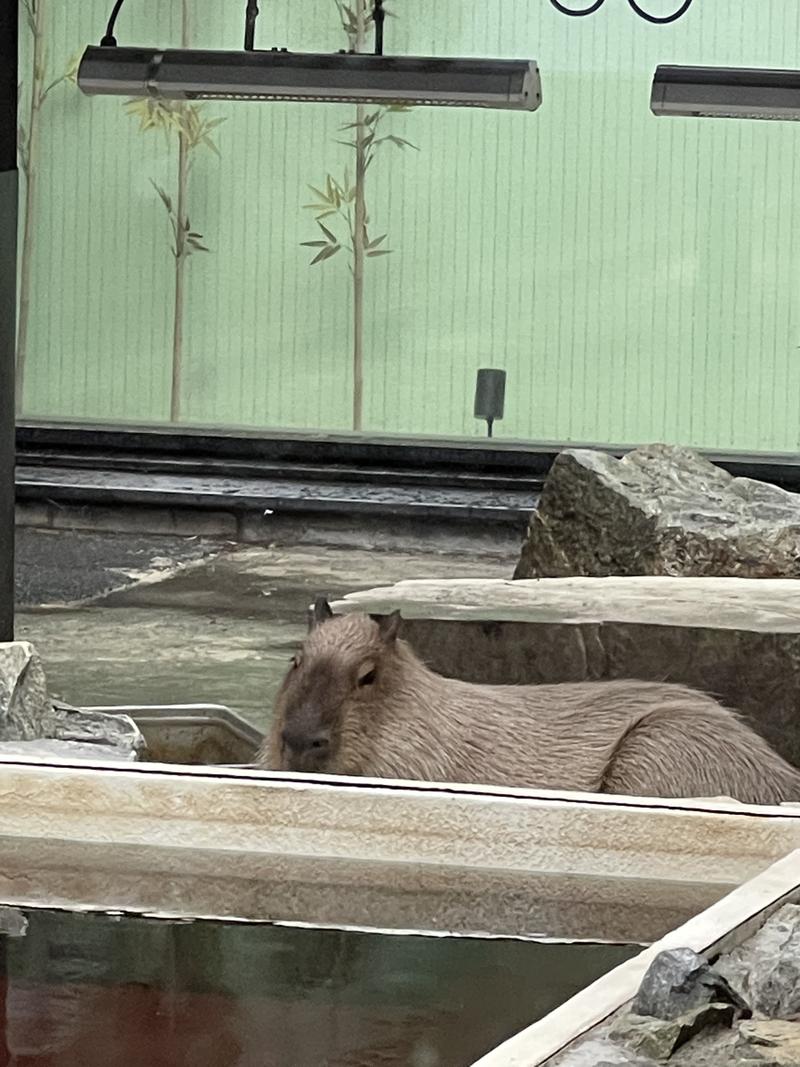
[326,214]
[71,73]
[314,244]
[348,144]
[401,142]
[166,201]
[327,232]
[325,253]
[376,242]
[52,85]
[322,196]
[210,144]
[380,252]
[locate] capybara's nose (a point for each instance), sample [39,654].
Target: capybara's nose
[304,742]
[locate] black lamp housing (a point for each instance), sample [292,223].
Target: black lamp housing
[187,74]
[726,93]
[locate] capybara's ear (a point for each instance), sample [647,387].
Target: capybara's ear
[389,626]
[319,613]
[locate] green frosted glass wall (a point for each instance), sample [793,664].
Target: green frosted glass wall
[636,277]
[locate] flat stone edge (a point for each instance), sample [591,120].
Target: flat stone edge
[759,605]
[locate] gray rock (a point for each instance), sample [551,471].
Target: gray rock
[25,711]
[765,970]
[13,922]
[679,980]
[117,734]
[27,715]
[660,510]
[46,748]
[600,1052]
[768,1043]
[659,1038]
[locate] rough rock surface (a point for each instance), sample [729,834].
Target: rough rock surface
[679,980]
[657,1039]
[25,711]
[769,1042]
[32,724]
[660,510]
[766,969]
[658,1028]
[47,747]
[601,1052]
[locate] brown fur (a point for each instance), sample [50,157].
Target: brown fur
[629,737]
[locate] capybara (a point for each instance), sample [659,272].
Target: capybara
[358,701]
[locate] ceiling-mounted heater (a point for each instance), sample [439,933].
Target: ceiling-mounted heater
[726,93]
[277,74]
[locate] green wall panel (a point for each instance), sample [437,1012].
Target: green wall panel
[636,277]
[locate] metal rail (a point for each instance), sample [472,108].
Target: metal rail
[294,473]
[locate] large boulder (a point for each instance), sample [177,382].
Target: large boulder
[660,510]
[32,724]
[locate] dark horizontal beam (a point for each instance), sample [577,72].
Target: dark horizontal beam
[401,460]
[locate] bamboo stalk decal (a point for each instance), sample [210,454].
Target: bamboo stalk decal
[181,252]
[28,151]
[187,122]
[345,204]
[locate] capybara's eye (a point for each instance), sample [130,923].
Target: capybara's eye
[368,678]
[295,661]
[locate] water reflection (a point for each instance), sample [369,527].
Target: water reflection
[81,990]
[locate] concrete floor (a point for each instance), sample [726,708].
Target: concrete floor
[131,620]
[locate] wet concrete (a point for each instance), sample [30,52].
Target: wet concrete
[57,567]
[204,622]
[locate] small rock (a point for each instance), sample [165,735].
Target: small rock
[13,922]
[96,728]
[659,1038]
[47,747]
[765,970]
[600,1052]
[678,980]
[769,1043]
[25,711]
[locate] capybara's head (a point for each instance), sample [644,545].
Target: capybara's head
[335,685]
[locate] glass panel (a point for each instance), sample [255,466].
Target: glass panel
[634,276]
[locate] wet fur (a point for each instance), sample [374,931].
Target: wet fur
[625,737]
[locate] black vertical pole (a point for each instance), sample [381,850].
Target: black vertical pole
[8,305]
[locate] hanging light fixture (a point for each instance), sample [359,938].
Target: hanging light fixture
[726,92]
[277,74]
